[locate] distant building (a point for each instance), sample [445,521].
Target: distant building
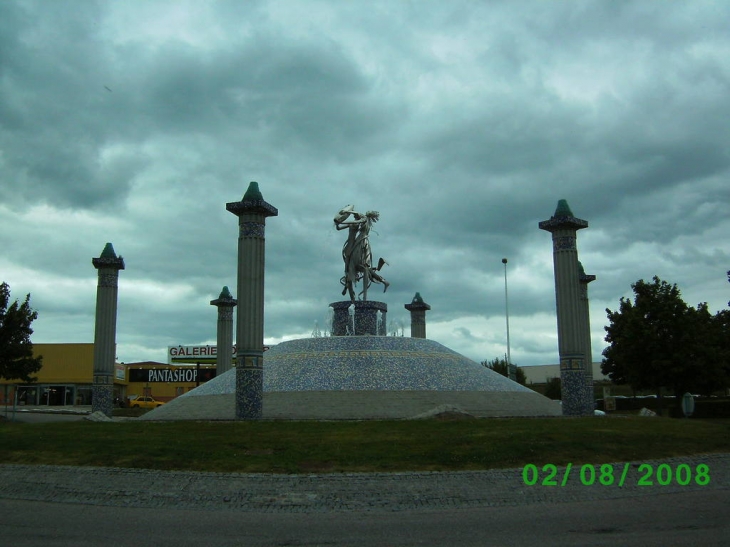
[541,373]
[66,378]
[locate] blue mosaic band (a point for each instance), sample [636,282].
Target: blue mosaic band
[564,243]
[108,280]
[249,393]
[252,229]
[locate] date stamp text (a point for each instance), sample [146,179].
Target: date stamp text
[605,474]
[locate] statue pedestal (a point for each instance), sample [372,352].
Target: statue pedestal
[366,318]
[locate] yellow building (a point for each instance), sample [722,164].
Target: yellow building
[65,378]
[67,375]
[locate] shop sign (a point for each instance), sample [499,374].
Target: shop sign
[119,372]
[191,354]
[170,375]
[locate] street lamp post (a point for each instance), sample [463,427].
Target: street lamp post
[510,369]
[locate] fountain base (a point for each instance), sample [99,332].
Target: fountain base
[366,318]
[363,378]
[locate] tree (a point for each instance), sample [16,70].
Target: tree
[659,341]
[501,366]
[16,349]
[711,355]
[552,389]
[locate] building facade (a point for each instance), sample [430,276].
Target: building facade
[67,376]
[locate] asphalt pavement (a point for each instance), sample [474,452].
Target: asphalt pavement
[48,506]
[361,492]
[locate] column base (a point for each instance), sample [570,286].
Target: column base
[249,389]
[573,386]
[102,399]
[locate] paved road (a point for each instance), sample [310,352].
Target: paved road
[87,506]
[695,518]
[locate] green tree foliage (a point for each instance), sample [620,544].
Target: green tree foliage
[16,349]
[659,341]
[500,366]
[552,389]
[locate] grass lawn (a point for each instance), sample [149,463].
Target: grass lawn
[316,447]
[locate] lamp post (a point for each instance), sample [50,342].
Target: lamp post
[510,369]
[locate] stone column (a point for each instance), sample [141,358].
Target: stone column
[571,319]
[586,322]
[105,330]
[224,345]
[418,309]
[251,211]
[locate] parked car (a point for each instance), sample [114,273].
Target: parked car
[145,402]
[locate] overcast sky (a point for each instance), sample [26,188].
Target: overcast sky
[462,123]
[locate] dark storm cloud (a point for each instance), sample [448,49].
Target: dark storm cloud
[51,122]
[462,123]
[61,115]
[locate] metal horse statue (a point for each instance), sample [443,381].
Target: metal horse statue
[356,251]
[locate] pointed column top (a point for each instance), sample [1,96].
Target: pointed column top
[252,202]
[108,259]
[563,218]
[224,299]
[417,304]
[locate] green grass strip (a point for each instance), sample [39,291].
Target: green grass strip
[317,447]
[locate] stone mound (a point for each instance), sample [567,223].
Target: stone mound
[360,378]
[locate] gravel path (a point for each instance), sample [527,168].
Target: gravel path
[340,492]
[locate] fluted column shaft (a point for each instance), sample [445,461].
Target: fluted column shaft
[224,333]
[586,322]
[567,293]
[105,329]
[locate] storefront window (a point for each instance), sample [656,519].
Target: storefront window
[27,395]
[56,395]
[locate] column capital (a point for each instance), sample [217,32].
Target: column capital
[417,304]
[252,203]
[225,299]
[563,219]
[108,259]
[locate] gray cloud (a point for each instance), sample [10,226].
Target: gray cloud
[462,123]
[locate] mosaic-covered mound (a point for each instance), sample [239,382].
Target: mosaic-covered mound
[361,378]
[371,363]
